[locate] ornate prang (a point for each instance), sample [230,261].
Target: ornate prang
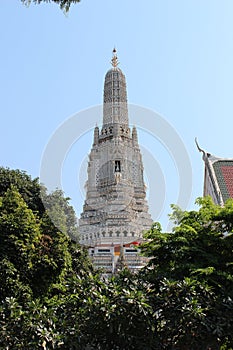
[115,209]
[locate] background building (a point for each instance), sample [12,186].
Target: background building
[218,177]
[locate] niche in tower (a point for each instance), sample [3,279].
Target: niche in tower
[117,166]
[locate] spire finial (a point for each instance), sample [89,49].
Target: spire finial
[114,59]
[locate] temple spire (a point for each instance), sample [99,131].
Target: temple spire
[115,109]
[115,210]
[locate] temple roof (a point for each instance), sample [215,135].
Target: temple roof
[224,174]
[218,180]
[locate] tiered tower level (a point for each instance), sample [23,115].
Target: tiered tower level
[115,210]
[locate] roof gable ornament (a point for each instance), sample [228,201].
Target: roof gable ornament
[205,155]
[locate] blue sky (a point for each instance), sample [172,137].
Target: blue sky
[177,57]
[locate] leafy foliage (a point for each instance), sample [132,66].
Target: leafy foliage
[61,212]
[52,298]
[31,249]
[29,188]
[41,271]
[199,247]
[64,4]
[190,316]
[43,204]
[191,272]
[122,316]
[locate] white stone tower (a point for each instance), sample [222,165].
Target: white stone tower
[115,210]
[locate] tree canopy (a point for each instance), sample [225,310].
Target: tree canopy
[54,204]
[199,247]
[64,4]
[191,277]
[40,268]
[51,297]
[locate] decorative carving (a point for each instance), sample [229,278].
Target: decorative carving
[114,58]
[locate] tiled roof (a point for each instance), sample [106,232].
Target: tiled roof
[224,174]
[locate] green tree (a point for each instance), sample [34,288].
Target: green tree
[45,279]
[32,250]
[121,316]
[191,277]
[29,188]
[19,236]
[41,271]
[64,4]
[54,204]
[61,213]
[30,326]
[200,247]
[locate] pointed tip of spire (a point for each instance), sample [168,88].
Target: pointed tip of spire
[114,60]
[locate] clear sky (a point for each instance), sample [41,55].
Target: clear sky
[177,56]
